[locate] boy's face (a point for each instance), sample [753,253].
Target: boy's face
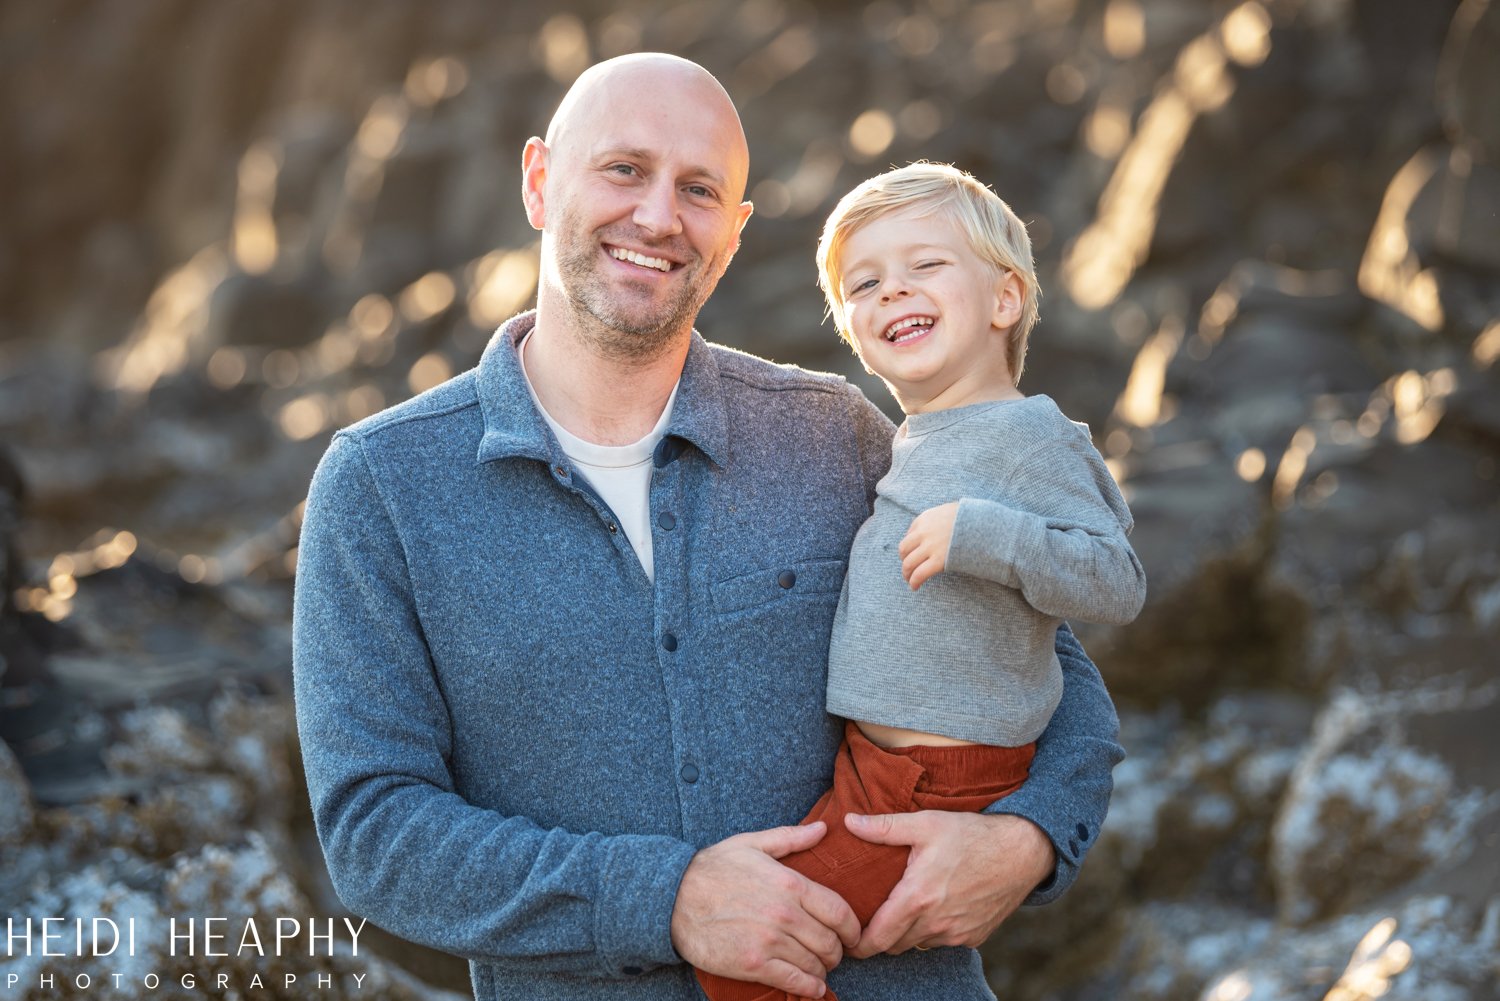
[927,314]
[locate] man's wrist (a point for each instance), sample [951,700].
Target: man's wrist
[1036,848]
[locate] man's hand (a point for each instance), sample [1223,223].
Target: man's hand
[924,550]
[742,914]
[966,874]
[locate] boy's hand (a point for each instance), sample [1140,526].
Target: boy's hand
[924,551]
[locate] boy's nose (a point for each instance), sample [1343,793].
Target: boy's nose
[894,290]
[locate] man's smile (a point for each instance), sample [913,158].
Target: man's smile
[640,260]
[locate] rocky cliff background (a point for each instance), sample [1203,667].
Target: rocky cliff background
[1269,235]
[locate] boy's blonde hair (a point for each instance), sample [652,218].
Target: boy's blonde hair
[994,232]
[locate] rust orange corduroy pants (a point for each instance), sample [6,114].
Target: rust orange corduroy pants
[870,779]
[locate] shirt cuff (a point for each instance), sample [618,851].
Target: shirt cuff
[633,924]
[984,540]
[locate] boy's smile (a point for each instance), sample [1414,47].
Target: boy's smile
[926,313]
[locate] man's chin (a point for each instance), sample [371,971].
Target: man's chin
[637,333]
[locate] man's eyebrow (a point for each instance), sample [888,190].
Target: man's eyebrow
[639,153]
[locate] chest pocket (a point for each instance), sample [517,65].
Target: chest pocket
[793,579]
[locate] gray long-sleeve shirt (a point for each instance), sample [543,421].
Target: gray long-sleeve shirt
[1040,537]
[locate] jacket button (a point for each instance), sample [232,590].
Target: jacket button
[668,642]
[666,521]
[786,579]
[689,772]
[613,528]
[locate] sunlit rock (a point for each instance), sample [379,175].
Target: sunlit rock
[1362,815]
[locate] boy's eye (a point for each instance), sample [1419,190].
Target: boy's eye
[862,286]
[930,264]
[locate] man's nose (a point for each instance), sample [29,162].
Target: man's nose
[656,212]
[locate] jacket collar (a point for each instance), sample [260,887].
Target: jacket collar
[513,428]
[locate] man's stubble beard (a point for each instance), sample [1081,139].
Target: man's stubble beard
[618,331]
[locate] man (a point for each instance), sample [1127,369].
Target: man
[561,623]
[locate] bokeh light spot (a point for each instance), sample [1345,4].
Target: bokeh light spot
[427,297]
[872,133]
[430,370]
[1247,34]
[1124,29]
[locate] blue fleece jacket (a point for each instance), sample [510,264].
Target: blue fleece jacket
[515,742]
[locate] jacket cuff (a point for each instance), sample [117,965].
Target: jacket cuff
[633,922]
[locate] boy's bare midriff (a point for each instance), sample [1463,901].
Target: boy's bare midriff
[895,736]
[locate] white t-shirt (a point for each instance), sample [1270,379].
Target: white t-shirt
[620,474]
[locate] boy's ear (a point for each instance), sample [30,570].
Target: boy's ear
[1010,300]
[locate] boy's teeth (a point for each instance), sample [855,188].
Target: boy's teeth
[905,329]
[621,254]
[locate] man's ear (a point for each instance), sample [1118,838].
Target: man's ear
[534,162]
[742,216]
[1010,300]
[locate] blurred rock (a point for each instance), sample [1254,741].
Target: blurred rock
[295,215]
[235,883]
[1468,86]
[260,311]
[1395,809]
[10,565]
[1425,949]
[1453,218]
[15,798]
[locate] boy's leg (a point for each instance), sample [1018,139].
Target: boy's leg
[862,873]
[873,780]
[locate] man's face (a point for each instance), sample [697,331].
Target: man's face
[641,207]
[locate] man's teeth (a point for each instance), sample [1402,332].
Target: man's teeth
[906,329]
[621,254]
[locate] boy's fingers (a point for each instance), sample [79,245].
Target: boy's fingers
[914,559]
[921,572]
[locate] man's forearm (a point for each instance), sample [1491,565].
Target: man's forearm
[431,868]
[1067,793]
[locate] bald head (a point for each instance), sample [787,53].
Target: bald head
[654,88]
[638,190]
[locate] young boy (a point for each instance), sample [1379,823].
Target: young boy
[996,521]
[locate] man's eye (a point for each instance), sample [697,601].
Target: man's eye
[699,191]
[624,169]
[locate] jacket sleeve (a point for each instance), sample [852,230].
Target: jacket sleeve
[402,847]
[1059,538]
[1067,793]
